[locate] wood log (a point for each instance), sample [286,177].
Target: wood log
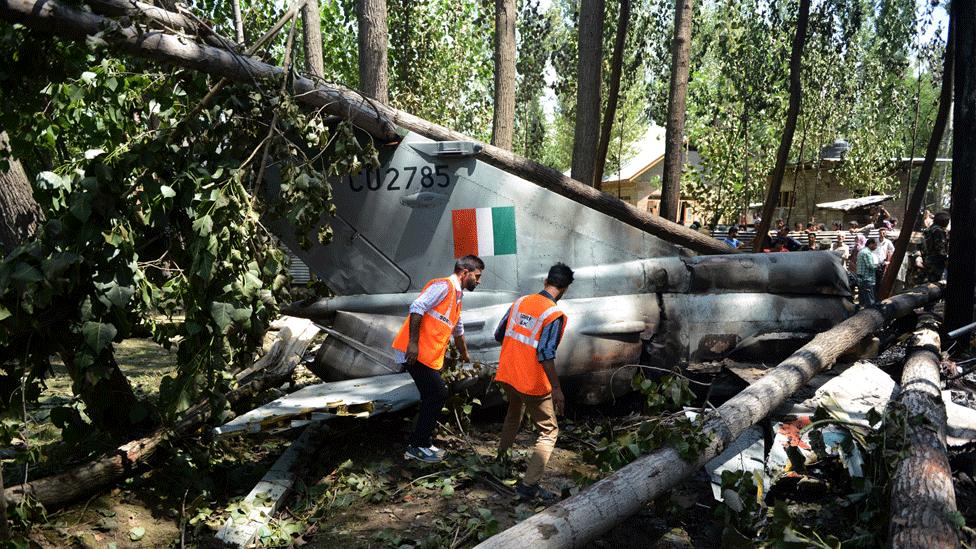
[579,519]
[922,496]
[81,481]
[373,117]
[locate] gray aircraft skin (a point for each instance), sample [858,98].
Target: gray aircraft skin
[635,297]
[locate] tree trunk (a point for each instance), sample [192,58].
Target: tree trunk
[312,27]
[503,121]
[914,208]
[374,77]
[962,241]
[238,21]
[922,496]
[675,127]
[588,103]
[792,113]
[110,402]
[613,94]
[579,519]
[376,119]
[20,215]
[84,480]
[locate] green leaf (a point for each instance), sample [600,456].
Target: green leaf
[167,191]
[221,315]
[203,225]
[137,533]
[4,313]
[93,153]
[112,293]
[98,334]
[52,181]
[24,272]
[88,77]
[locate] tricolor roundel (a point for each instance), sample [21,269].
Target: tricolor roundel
[484,231]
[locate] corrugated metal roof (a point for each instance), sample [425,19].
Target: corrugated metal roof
[855,203]
[297,269]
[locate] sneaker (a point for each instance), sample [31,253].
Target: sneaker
[437,451]
[422,454]
[534,491]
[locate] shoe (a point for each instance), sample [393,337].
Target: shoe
[422,454]
[437,451]
[534,491]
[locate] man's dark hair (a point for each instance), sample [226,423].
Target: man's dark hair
[870,241]
[560,276]
[469,263]
[941,219]
[733,229]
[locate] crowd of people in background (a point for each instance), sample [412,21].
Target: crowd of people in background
[866,259]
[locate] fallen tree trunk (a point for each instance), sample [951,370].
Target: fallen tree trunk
[57,490]
[577,520]
[160,16]
[922,496]
[375,118]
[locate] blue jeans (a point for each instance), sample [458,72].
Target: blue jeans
[866,295]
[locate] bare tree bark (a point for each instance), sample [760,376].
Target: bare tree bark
[312,31]
[674,139]
[914,208]
[792,113]
[577,520]
[374,72]
[922,495]
[586,133]
[372,117]
[962,242]
[20,215]
[613,93]
[238,21]
[503,120]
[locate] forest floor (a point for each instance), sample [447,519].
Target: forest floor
[358,491]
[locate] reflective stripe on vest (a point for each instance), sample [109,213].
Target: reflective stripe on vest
[436,327]
[519,366]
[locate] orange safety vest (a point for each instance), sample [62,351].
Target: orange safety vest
[518,365]
[435,328]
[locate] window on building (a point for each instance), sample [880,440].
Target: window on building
[785,199]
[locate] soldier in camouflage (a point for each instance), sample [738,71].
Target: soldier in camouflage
[935,247]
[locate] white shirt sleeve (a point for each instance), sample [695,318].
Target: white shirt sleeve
[429,298]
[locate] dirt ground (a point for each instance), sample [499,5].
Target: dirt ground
[358,491]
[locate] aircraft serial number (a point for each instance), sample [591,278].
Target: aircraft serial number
[393,179]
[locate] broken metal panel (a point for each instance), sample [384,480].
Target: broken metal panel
[267,496]
[357,346]
[709,327]
[808,273]
[849,204]
[364,397]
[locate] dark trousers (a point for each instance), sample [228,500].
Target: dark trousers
[433,394]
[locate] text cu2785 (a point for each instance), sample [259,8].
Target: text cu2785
[390,178]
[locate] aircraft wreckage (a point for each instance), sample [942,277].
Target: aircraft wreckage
[637,298]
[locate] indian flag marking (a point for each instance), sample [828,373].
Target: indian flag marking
[484,231]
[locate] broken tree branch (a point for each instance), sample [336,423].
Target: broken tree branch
[373,117]
[923,499]
[57,490]
[579,519]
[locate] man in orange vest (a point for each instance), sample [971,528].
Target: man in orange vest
[422,341]
[529,334]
